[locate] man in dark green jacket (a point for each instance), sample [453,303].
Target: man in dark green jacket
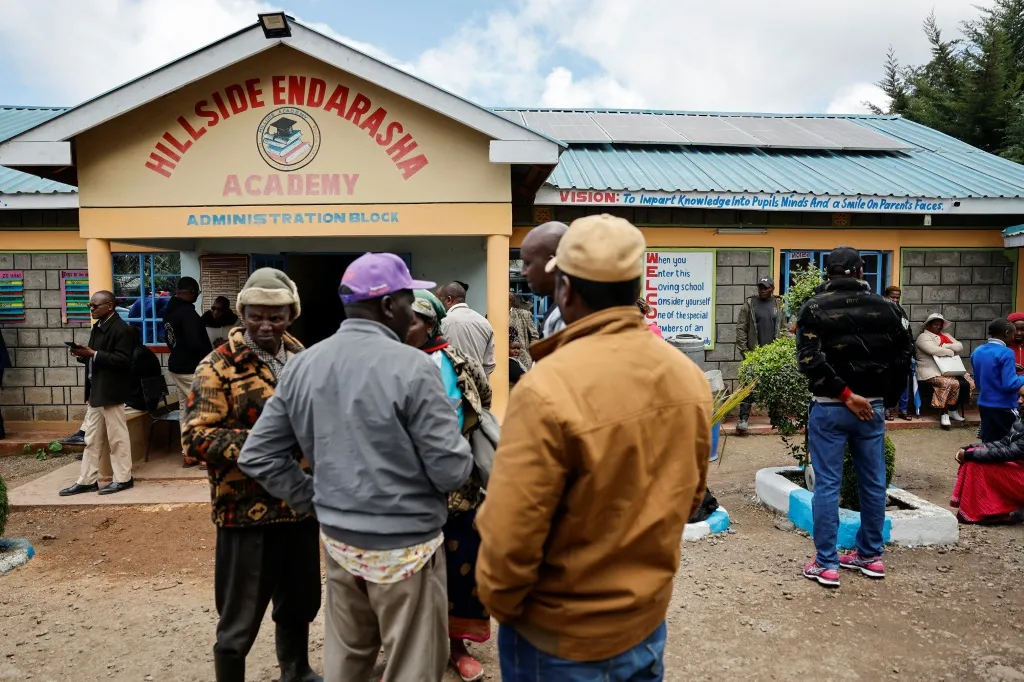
[760,323]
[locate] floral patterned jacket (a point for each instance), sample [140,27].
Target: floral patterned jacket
[230,388]
[476,397]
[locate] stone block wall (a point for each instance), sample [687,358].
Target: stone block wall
[45,383]
[736,275]
[969,287]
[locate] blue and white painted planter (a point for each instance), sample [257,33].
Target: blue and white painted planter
[922,524]
[14,552]
[718,522]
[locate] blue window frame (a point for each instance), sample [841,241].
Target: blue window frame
[143,286]
[877,266]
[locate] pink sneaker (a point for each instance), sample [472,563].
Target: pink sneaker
[829,577]
[872,568]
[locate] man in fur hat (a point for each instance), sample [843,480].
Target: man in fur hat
[265,550]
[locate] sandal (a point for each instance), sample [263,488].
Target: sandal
[468,668]
[890,415]
[906,416]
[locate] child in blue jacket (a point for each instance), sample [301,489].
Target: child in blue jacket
[995,373]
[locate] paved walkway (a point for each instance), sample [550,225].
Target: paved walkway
[162,480]
[759,425]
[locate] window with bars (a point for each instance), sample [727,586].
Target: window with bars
[143,285]
[876,266]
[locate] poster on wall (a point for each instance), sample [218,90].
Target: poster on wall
[222,275]
[680,288]
[12,296]
[74,296]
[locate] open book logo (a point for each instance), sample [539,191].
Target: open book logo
[288,138]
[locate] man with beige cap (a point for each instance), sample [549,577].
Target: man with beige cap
[599,471]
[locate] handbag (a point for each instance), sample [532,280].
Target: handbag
[483,441]
[950,366]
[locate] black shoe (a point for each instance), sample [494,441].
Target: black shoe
[117,487]
[292,644]
[77,438]
[228,668]
[79,456]
[78,489]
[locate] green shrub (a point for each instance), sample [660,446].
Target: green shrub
[781,390]
[4,506]
[802,289]
[848,495]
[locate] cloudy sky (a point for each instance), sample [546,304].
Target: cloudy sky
[726,55]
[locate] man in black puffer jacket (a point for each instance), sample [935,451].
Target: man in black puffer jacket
[855,348]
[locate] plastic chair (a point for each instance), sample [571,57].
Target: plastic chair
[154,390]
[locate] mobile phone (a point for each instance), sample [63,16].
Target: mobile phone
[72,344]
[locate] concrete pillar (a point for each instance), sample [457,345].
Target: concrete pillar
[101,265]
[497,314]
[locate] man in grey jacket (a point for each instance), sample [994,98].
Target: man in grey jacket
[760,322]
[371,416]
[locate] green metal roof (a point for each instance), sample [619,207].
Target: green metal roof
[14,120]
[936,166]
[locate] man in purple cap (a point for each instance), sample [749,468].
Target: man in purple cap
[371,416]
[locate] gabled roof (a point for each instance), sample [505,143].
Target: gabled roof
[13,120]
[251,41]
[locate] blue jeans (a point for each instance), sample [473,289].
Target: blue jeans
[522,662]
[830,427]
[905,397]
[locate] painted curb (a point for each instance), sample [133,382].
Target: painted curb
[926,524]
[15,552]
[718,522]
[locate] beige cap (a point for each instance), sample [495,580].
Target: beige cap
[601,248]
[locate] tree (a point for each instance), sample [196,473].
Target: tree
[971,88]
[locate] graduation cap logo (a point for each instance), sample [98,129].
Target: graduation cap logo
[288,138]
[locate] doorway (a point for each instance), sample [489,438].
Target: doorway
[317,276]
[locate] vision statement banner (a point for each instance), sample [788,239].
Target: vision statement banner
[680,288]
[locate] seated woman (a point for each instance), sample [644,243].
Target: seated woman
[990,483]
[470,393]
[934,342]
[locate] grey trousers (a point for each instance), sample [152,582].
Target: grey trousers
[409,618]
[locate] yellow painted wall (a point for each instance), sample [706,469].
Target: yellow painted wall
[783,239]
[55,240]
[351,164]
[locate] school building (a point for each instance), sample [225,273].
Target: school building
[293,150]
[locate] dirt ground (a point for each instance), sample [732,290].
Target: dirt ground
[126,594]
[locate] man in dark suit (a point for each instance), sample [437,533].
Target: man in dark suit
[108,384]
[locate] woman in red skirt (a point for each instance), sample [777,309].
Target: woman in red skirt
[990,484]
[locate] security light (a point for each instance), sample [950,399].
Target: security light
[275,25]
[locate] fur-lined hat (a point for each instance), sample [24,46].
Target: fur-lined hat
[268,286]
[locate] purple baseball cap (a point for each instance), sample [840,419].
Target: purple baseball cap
[374,275]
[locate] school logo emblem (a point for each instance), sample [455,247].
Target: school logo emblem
[288,138]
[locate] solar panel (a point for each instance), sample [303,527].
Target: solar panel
[637,128]
[708,130]
[567,126]
[514,116]
[849,135]
[779,132]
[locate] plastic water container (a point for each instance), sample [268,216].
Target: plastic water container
[714,378]
[714,441]
[690,344]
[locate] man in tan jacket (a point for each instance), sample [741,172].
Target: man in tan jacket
[603,457]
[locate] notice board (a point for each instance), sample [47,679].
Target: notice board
[74,296]
[12,296]
[680,288]
[222,275]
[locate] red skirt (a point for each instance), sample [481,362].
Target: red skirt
[987,490]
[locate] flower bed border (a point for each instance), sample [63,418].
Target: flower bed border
[718,522]
[923,524]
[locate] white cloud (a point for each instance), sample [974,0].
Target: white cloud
[850,99]
[737,55]
[562,91]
